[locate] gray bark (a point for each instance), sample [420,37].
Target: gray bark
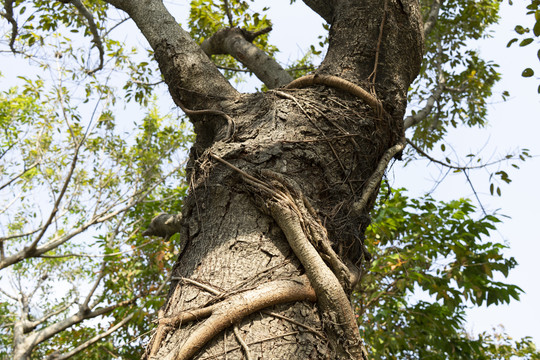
[299,161]
[235,42]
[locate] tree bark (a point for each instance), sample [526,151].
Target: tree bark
[273,205]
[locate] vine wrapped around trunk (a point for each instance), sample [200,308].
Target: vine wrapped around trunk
[282,184]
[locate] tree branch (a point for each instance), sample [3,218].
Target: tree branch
[31,325]
[375,180]
[20,174]
[455,167]
[97,218]
[414,119]
[237,43]
[228,12]
[23,345]
[83,314]
[8,6]
[441,81]
[433,15]
[325,8]
[33,245]
[93,30]
[186,69]
[91,341]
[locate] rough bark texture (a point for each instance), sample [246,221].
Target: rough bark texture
[317,146]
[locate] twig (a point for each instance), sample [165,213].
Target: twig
[228,12]
[208,288]
[242,343]
[93,29]
[290,97]
[373,74]
[115,26]
[475,194]
[58,200]
[308,328]
[92,341]
[231,125]
[20,174]
[101,255]
[455,167]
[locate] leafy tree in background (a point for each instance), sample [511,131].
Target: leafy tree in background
[81,183]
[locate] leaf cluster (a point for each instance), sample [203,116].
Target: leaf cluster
[527,35]
[431,261]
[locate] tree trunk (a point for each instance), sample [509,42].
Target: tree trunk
[281,189]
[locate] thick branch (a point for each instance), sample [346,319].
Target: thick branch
[54,329]
[184,66]
[164,225]
[414,119]
[24,347]
[237,43]
[325,8]
[433,15]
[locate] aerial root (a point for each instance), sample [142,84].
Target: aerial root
[229,311]
[304,233]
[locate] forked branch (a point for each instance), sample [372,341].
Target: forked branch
[238,43]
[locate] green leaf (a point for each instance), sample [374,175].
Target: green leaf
[526,41]
[528,72]
[511,42]
[521,30]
